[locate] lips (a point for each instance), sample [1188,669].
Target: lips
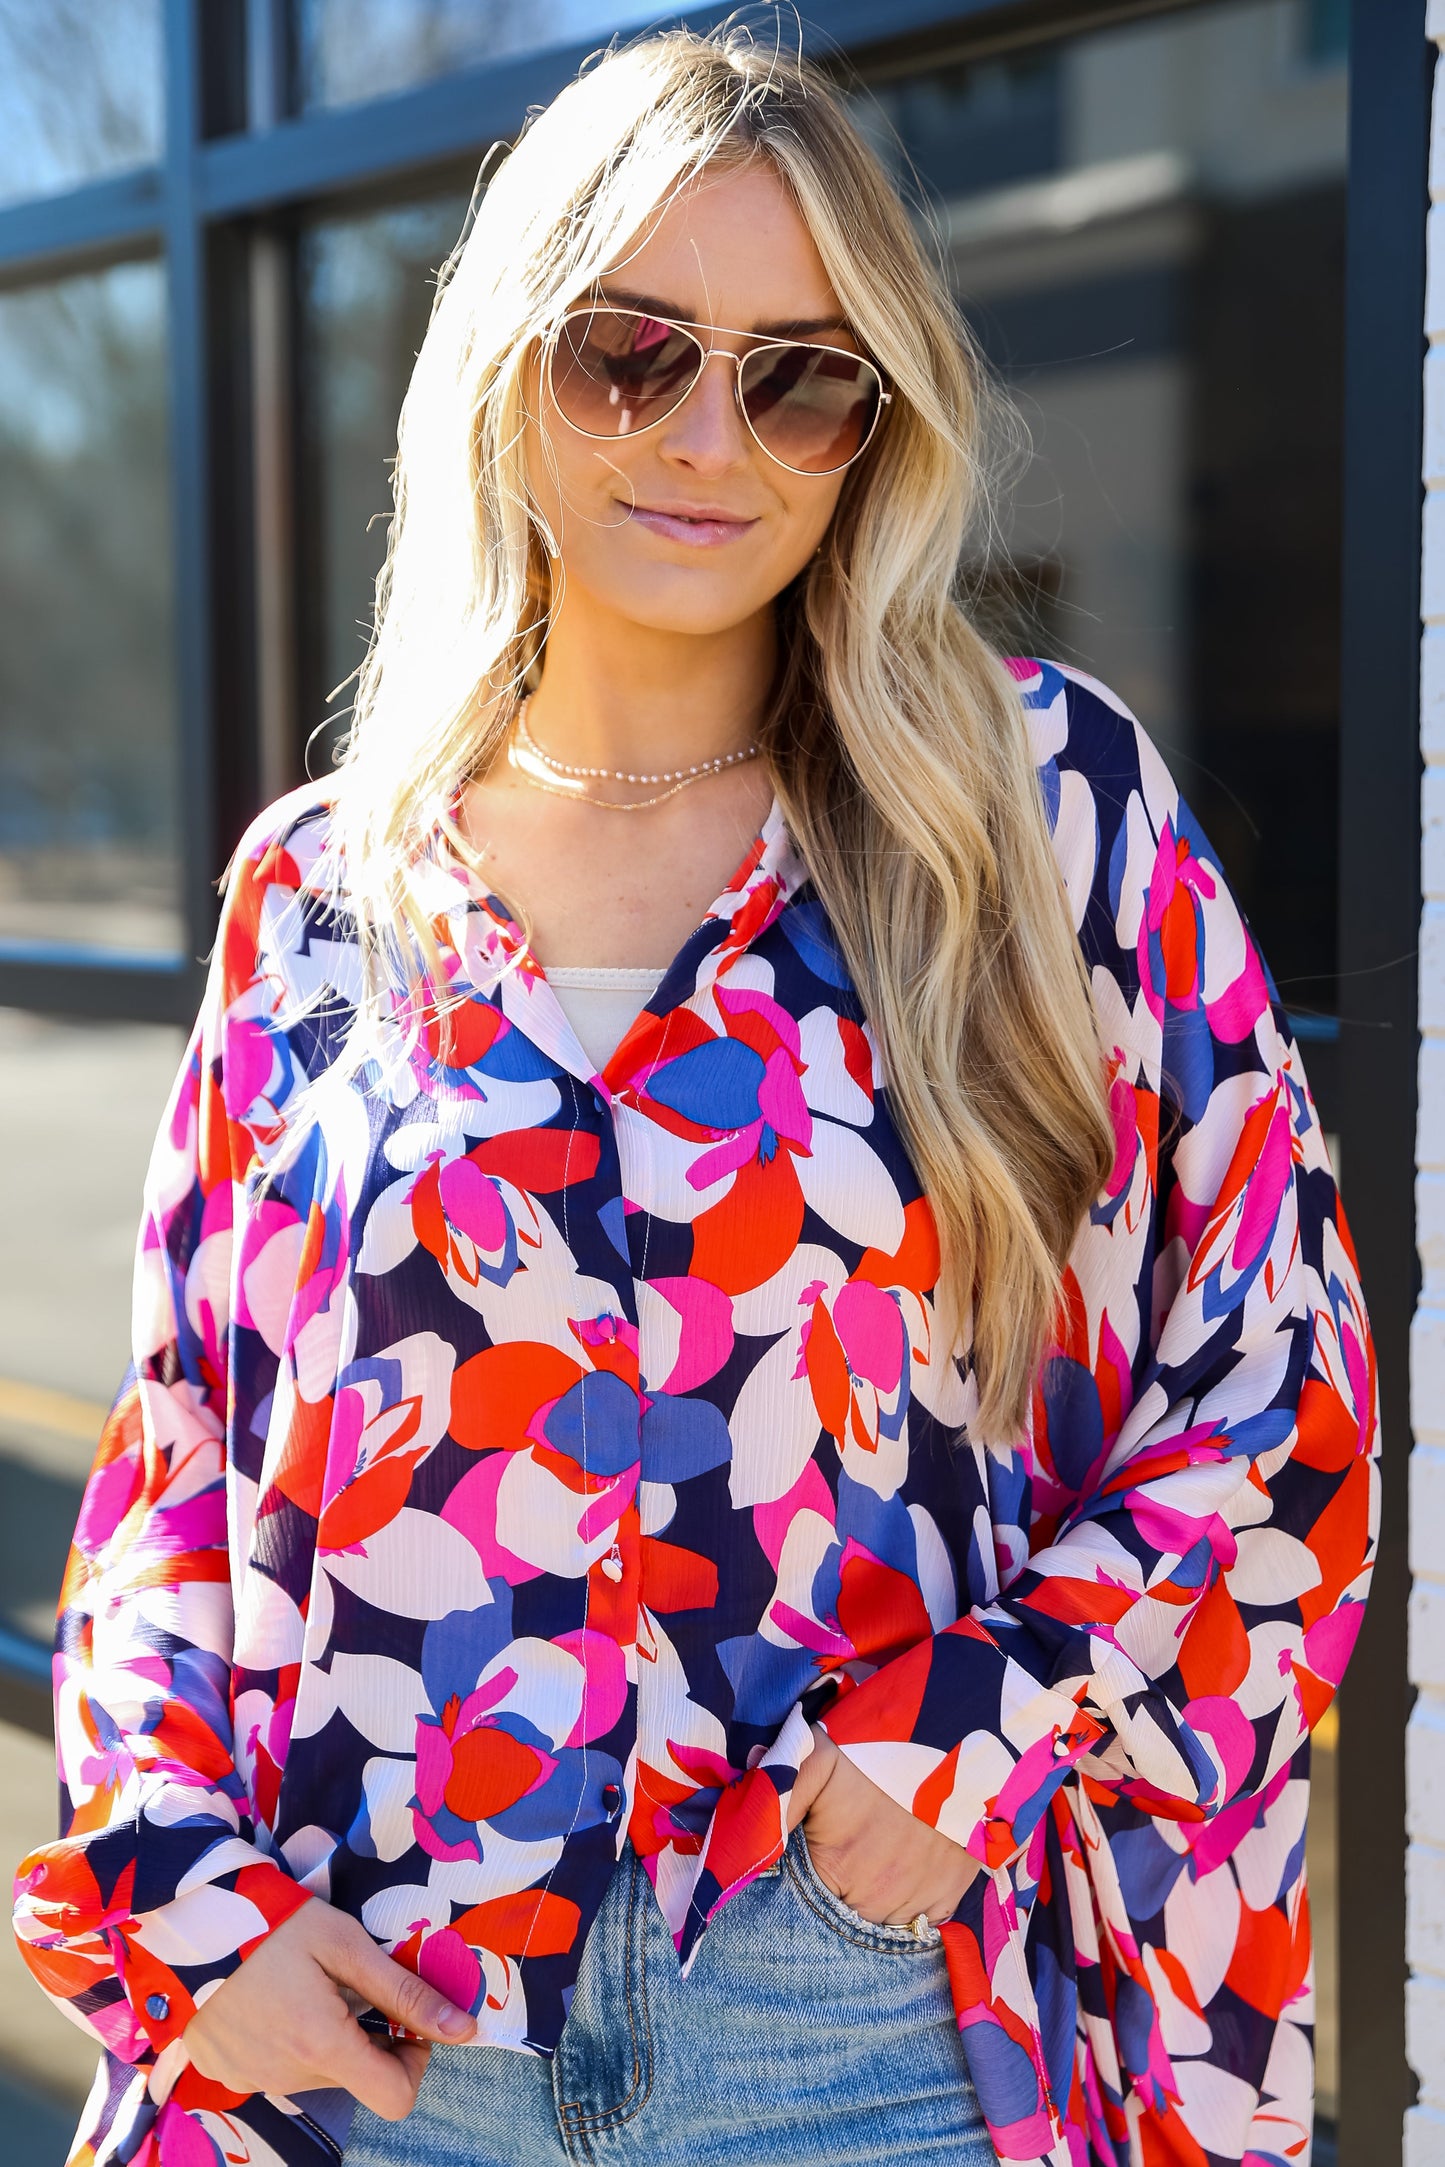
[695,525]
[706,513]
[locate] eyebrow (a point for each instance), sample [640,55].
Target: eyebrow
[796,327]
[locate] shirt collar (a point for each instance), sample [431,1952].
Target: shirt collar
[486,952]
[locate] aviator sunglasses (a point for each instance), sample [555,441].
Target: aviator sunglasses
[613,372]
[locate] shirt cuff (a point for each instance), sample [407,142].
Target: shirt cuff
[166,1957]
[962,1736]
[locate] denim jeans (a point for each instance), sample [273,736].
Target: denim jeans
[804,2036]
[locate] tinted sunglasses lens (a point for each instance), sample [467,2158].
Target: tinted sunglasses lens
[614,372]
[811,407]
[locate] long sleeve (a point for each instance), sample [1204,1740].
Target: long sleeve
[161,1879]
[1203,1454]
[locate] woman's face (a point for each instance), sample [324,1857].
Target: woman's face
[690,526]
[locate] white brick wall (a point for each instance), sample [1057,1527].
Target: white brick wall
[1425,2018]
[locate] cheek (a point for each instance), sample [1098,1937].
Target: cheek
[809,513]
[566,471]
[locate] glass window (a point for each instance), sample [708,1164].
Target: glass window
[80,91]
[1145,226]
[367,286]
[351,49]
[89,816]
[1327,29]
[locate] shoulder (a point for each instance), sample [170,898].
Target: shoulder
[1125,839]
[283,843]
[278,889]
[1078,727]
[1152,903]
[1112,802]
[1109,799]
[1115,811]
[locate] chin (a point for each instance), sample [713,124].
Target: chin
[697,623]
[692,600]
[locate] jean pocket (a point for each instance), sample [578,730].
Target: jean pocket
[850,1925]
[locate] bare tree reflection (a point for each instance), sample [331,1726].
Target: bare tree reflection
[367,285]
[80,90]
[88,810]
[351,49]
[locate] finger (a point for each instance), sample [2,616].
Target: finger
[396,1992]
[384,2075]
[245,2055]
[812,1778]
[935,1905]
[413,2054]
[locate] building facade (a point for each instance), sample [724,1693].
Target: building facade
[1189,235]
[1425,2132]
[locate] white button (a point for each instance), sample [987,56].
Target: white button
[612,1567]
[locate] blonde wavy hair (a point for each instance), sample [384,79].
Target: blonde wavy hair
[896,737]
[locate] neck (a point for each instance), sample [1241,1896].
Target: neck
[616,694]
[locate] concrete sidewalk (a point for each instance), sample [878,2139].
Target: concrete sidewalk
[34,2132]
[43,2057]
[79,1107]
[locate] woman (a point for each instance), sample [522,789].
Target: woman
[810,1412]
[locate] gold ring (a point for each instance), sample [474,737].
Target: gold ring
[921,1929]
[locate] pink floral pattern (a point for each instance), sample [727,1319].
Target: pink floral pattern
[542,1450]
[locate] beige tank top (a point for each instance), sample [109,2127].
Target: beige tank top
[601,1003]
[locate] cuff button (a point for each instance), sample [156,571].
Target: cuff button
[611,1797]
[158,2007]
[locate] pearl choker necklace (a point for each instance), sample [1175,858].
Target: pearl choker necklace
[677,778]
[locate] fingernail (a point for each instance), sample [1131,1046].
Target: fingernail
[455,2021]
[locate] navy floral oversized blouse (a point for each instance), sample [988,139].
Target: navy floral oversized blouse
[523,1470]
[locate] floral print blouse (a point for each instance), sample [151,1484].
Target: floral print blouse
[526,1468]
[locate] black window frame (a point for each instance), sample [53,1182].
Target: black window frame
[237,168]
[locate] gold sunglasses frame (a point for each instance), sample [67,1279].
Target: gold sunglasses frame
[759,346]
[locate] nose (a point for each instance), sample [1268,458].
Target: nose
[707,432]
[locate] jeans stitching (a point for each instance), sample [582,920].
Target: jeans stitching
[628,2109]
[575,2141]
[841,1919]
[577,2122]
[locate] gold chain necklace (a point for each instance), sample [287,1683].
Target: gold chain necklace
[524,743]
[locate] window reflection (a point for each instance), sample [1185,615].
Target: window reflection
[352,49]
[1145,227]
[367,286]
[88,807]
[80,91]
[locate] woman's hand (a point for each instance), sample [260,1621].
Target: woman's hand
[284,2022]
[883,1862]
